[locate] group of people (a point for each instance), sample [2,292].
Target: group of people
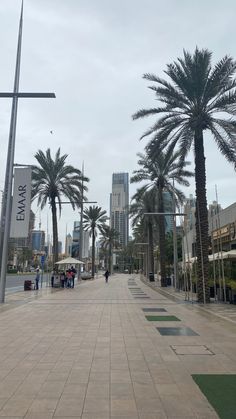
[66,279]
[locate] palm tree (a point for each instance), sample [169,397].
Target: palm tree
[108,240]
[160,174]
[51,181]
[94,219]
[145,201]
[198,97]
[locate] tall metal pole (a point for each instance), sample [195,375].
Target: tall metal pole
[175,243]
[221,254]
[6,207]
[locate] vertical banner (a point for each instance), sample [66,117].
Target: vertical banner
[21,202]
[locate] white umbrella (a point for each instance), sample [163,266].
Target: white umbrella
[69,261]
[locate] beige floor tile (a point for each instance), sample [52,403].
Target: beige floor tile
[157,415]
[121,391]
[43,405]
[177,405]
[121,407]
[95,416]
[69,407]
[16,407]
[167,389]
[97,391]
[75,390]
[39,415]
[149,405]
[95,405]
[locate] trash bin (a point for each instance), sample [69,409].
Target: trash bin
[27,285]
[151,277]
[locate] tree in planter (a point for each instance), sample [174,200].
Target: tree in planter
[109,239]
[197,98]
[160,174]
[51,181]
[94,219]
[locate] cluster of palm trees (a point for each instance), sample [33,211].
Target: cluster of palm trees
[52,180]
[160,171]
[196,97]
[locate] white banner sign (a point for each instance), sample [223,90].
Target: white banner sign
[21,203]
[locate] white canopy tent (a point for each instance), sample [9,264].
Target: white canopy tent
[230,255]
[70,261]
[217,256]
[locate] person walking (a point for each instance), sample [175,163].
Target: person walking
[52,278]
[37,279]
[106,274]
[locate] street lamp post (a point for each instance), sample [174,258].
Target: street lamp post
[6,206]
[147,256]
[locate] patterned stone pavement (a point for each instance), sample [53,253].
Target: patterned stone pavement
[90,353]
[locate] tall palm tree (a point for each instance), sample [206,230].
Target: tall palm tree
[160,174]
[94,219]
[198,97]
[109,239]
[142,202]
[51,181]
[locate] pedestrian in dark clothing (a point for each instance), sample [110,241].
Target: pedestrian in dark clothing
[73,272]
[62,278]
[37,279]
[106,274]
[52,278]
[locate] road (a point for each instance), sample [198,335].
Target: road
[15,283]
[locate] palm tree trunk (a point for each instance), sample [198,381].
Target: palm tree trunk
[150,246]
[110,257]
[93,253]
[162,239]
[202,236]
[54,231]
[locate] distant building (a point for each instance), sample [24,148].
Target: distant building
[221,224]
[59,247]
[76,241]
[38,240]
[189,210]
[119,206]
[68,245]
[168,207]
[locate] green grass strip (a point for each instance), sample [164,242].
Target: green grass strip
[162,319]
[220,391]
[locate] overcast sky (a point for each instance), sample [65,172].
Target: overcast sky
[93,54]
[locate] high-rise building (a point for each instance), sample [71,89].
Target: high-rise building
[119,206]
[168,207]
[68,245]
[38,240]
[76,241]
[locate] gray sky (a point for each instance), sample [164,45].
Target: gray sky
[92,55]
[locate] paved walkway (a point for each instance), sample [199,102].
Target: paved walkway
[90,353]
[222,310]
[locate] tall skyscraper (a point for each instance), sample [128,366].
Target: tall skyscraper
[38,240]
[76,240]
[119,206]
